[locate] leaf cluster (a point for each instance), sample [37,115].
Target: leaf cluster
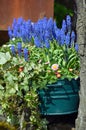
[20,79]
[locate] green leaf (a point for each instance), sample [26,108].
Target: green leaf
[4,57]
[12,90]
[1,87]
[64,63]
[8,56]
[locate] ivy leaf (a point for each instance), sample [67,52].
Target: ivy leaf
[8,56]
[12,91]
[4,57]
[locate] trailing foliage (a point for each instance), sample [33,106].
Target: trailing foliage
[6,126]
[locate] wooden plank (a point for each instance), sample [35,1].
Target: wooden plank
[28,9]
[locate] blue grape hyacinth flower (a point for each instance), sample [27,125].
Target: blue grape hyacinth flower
[20,21]
[25,54]
[13,49]
[64,26]
[76,47]
[62,37]
[47,44]
[58,35]
[67,39]
[68,21]
[10,33]
[73,36]
[37,42]
[50,24]
[19,47]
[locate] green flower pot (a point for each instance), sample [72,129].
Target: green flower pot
[60,98]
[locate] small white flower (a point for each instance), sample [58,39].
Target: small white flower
[4,45]
[13,39]
[46,63]
[39,61]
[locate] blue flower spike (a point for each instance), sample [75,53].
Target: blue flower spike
[37,42]
[73,36]
[47,44]
[76,47]
[25,54]
[64,26]
[67,40]
[19,47]
[68,21]
[10,33]
[13,50]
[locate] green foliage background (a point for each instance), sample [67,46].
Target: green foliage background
[60,12]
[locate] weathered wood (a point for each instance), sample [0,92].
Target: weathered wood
[81,35]
[28,9]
